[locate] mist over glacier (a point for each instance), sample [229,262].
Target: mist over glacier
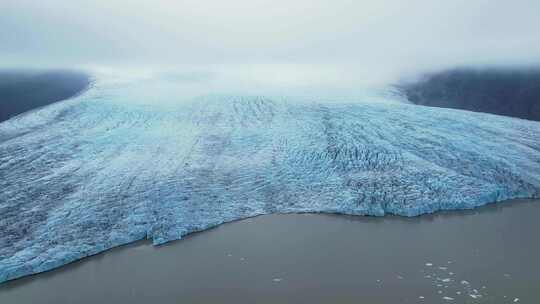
[366,41]
[127,160]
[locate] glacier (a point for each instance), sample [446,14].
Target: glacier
[116,165]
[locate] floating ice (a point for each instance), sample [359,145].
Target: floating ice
[448,298]
[85,175]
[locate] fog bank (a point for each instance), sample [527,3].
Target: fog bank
[318,43]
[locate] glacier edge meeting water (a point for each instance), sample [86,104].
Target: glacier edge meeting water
[112,167]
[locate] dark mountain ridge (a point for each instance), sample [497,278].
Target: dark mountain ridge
[24,90]
[509,92]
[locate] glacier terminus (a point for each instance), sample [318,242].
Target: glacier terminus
[101,170]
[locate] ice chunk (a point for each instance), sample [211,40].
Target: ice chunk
[448,298]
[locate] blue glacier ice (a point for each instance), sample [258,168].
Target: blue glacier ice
[111,167]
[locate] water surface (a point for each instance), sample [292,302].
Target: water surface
[490,253]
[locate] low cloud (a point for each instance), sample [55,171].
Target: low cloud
[280,43]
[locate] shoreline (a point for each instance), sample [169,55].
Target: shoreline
[439,212]
[306,226]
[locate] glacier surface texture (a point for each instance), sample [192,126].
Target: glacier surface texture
[87,174]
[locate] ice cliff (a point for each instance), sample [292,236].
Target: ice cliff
[98,171]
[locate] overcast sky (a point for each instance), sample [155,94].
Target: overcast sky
[379,39]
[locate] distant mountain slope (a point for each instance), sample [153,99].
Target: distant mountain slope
[504,92]
[21,91]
